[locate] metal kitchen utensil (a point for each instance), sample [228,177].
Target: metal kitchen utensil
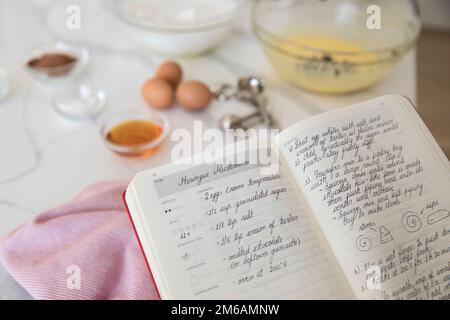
[232,121]
[249,89]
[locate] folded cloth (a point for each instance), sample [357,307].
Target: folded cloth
[84,249]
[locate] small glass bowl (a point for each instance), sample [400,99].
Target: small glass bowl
[139,150]
[178,27]
[60,74]
[330,46]
[79,102]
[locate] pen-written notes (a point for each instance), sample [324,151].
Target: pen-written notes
[238,231]
[387,221]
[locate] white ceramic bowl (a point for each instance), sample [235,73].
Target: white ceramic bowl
[178,27]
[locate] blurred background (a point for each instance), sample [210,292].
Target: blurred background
[433,79]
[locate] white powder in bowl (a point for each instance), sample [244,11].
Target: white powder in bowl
[176,14]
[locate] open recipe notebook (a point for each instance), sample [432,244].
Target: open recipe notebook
[359,209]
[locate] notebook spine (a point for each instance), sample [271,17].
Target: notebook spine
[140,246]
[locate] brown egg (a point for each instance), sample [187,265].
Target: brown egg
[171,72]
[158,93]
[193,95]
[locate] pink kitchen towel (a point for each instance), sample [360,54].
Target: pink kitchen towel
[83,249]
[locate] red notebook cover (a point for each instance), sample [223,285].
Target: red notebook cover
[140,245]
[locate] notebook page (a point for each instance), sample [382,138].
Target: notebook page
[226,231]
[379,189]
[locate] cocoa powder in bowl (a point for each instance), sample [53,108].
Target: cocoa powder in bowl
[54,64]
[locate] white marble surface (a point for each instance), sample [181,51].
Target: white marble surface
[45,159]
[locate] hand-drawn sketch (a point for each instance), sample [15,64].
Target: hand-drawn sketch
[363,243]
[438,216]
[385,235]
[411,221]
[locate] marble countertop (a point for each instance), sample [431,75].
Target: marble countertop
[46,159]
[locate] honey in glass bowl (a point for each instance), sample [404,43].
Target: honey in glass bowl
[134,134]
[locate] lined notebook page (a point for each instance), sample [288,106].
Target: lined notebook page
[219,231]
[379,187]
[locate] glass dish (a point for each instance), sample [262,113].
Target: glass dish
[111,121]
[178,27]
[79,102]
[329,46]
[59,74]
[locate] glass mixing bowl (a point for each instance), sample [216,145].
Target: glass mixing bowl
[335,46]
